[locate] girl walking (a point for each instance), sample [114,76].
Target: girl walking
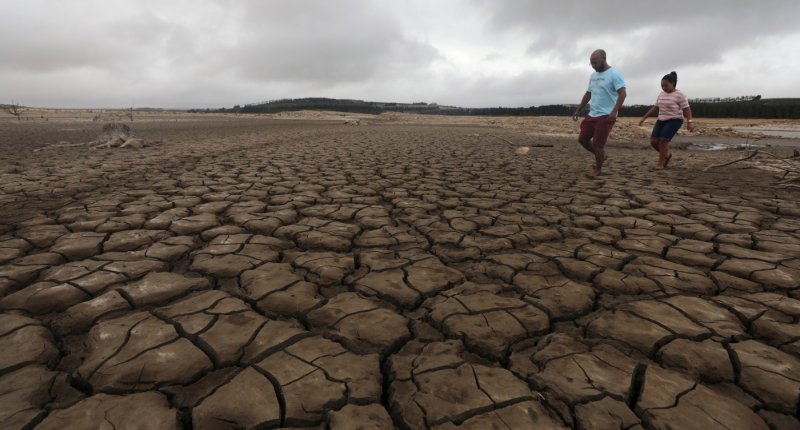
[672,106]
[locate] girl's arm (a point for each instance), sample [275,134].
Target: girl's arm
[650,112]
[687,112]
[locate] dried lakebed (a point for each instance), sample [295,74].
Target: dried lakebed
[294,274]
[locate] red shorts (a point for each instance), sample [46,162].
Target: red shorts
[597,129]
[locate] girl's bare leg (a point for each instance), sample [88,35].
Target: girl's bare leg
[663,153]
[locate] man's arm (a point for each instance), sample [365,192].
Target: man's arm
[622,94]
[584,101]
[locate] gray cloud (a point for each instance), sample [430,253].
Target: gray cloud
[562,23]
[517,90]
[473,53]
[333,42]
[40,39]
[649,34]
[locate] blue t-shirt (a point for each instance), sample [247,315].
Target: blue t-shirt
[604,87]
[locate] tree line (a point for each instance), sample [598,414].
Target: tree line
[725,99]
[753,108]
[728,107]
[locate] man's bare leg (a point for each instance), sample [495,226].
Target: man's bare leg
[599,157]
[587,145]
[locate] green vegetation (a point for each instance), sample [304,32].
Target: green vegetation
[754,107]
[339,105]
[360,106]
[731,107]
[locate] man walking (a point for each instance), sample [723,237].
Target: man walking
[605,96]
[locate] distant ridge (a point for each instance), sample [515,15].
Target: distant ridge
[731,107]
[370,107]
[342,105]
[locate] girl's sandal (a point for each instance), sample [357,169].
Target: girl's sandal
[669,157]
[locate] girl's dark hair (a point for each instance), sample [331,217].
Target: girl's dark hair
[671,77]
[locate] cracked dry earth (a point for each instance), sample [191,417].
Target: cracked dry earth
[286,274]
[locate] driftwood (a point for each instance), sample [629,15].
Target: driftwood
[789,167]
[752,154]
[114,135]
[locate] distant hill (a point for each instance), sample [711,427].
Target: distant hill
[733,107]
[788,108]
[341,105]
[361,106]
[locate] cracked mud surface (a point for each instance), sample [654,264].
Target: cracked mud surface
[293,274]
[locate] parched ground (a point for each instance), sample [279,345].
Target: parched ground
[252,273]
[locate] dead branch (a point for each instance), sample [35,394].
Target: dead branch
[761,151]
[752,154]
[114,135]
[788,165]
[16,110]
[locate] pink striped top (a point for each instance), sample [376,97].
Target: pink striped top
[671,105]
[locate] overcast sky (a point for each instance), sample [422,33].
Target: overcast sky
[219,53]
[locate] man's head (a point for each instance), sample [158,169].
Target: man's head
[598,60]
